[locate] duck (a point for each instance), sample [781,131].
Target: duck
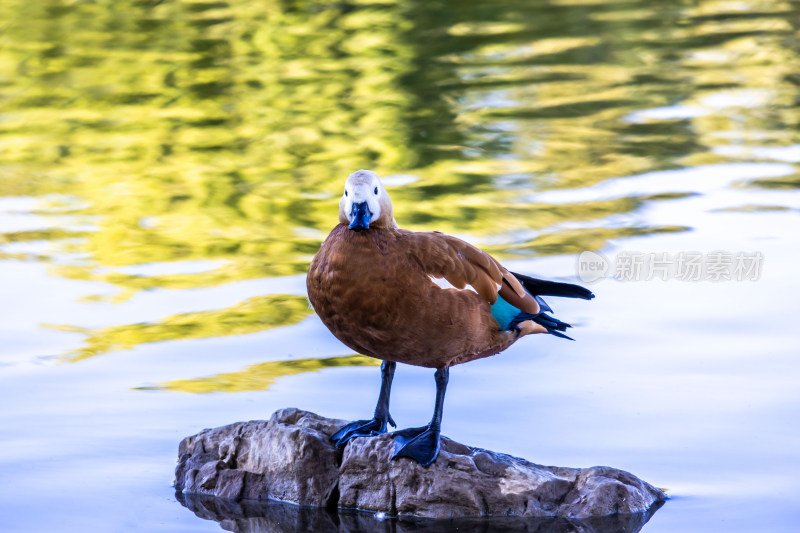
[419,298]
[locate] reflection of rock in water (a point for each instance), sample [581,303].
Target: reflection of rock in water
[276,517]
[259,517]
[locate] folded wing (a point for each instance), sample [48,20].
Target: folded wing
[463,265]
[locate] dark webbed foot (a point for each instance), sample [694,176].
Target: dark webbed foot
[419,444]
[360,428]
[422,444]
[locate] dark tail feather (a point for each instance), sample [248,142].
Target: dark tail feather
[540,287]
[559,334]
[553,325]
[543,305]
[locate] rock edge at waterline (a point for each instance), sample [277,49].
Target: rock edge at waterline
[290,458]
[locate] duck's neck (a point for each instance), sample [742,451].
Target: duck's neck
[382,224]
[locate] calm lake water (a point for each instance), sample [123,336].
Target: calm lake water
[169,168]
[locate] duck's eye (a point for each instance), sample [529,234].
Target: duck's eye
[376,190]
[345,192]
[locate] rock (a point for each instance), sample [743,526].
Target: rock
[466,481]
[290,458]
[287,458]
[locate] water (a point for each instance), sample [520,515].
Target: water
[168,169]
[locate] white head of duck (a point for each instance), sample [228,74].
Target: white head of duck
[365,203]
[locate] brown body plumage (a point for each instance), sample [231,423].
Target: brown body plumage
[378,288]
[373,290]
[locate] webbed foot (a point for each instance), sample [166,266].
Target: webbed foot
[360,428]
[419,444]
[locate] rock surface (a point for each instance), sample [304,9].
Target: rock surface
[287,458]
[290,458]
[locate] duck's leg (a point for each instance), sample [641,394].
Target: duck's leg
[422,444]
[376,426]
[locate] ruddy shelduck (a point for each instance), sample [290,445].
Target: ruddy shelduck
[420,298]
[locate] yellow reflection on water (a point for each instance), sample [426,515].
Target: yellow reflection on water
[262,375]
[194,131]
[255,314]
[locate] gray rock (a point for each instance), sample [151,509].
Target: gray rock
[290,458]
[287,458]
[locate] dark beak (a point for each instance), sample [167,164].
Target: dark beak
[361,217]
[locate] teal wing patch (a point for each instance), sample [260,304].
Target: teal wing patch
[503,312]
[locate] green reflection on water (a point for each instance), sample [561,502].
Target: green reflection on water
[262,375]
[189,130]
[787,182]
[255,314]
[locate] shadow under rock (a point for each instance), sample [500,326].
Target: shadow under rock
[247,516]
